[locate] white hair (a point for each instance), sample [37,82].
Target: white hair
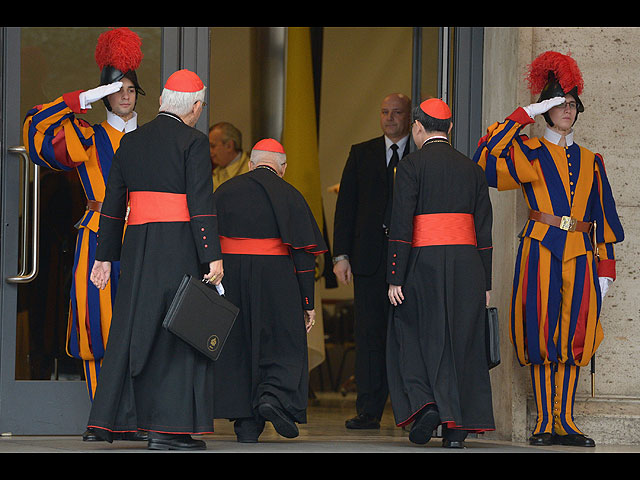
[263,156]
[179,103]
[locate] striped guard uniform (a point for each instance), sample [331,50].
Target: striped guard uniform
[555,303]
[55,138]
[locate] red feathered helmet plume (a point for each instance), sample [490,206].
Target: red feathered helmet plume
[553,74]
[118,55]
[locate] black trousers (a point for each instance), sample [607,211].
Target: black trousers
[371,309]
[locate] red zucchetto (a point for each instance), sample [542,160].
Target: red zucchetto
[436,108]
[269,145]
[184,81]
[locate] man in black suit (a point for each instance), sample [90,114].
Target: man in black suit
[363,211]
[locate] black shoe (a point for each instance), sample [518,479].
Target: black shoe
[541,439]
[362,421]
[424,425]
[165,441]
[574,440]
[90,436]
[281,422]
[452,443]
[138,436]
[453,437]
[247,430]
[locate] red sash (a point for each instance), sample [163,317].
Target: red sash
[443,229]
[148,207]
[253,246]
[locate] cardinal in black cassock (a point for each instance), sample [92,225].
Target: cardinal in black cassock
[439,275]
[269,240]
[151,380]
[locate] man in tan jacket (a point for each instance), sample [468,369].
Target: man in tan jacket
[225,149]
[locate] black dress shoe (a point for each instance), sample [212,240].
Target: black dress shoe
[541,439]
[452,443]
[453,437]
[165,441]
[362,421]
[248,430]
[90,436]
[574,440]
[279,419]
[424,425]
[138,436]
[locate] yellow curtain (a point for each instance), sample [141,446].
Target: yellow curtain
[300,142]
[299,136]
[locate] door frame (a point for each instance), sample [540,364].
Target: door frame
[44,407]
[460,58]
[61,407]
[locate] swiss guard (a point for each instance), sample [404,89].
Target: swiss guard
[565,261]
[56,138]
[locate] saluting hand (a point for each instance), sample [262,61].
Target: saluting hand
[89,96]
[543,106]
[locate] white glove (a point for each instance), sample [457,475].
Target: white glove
[543,106]
[605,283]
[90,96]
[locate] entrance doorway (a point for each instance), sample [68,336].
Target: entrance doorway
[42,389]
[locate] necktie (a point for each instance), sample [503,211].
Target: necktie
[391,169]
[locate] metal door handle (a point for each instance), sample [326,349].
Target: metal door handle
[24,276]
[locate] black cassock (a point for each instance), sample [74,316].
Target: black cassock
[266,351]
[435,346]
[150,379]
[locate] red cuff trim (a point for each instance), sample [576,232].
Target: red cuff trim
[607,268]
[72,99]
[521,116]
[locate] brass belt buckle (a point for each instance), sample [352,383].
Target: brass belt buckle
[568,224]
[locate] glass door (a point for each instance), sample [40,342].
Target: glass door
[42,388]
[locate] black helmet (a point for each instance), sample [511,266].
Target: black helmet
[553,74]
[110,74]
[553,89]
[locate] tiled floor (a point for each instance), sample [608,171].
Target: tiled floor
[324,433]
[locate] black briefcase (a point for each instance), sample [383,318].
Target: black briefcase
[200,316]
[492,337]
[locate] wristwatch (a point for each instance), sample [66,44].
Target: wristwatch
[340,257]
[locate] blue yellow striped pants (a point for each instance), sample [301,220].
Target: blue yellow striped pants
[555,328]
[554,390]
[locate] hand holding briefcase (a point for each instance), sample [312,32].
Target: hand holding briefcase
[200,316]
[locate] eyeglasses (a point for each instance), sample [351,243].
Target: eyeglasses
[571,105]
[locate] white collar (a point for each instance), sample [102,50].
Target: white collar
[119,124]
[401,143]
[554,137]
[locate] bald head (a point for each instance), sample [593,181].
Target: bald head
[395,116]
